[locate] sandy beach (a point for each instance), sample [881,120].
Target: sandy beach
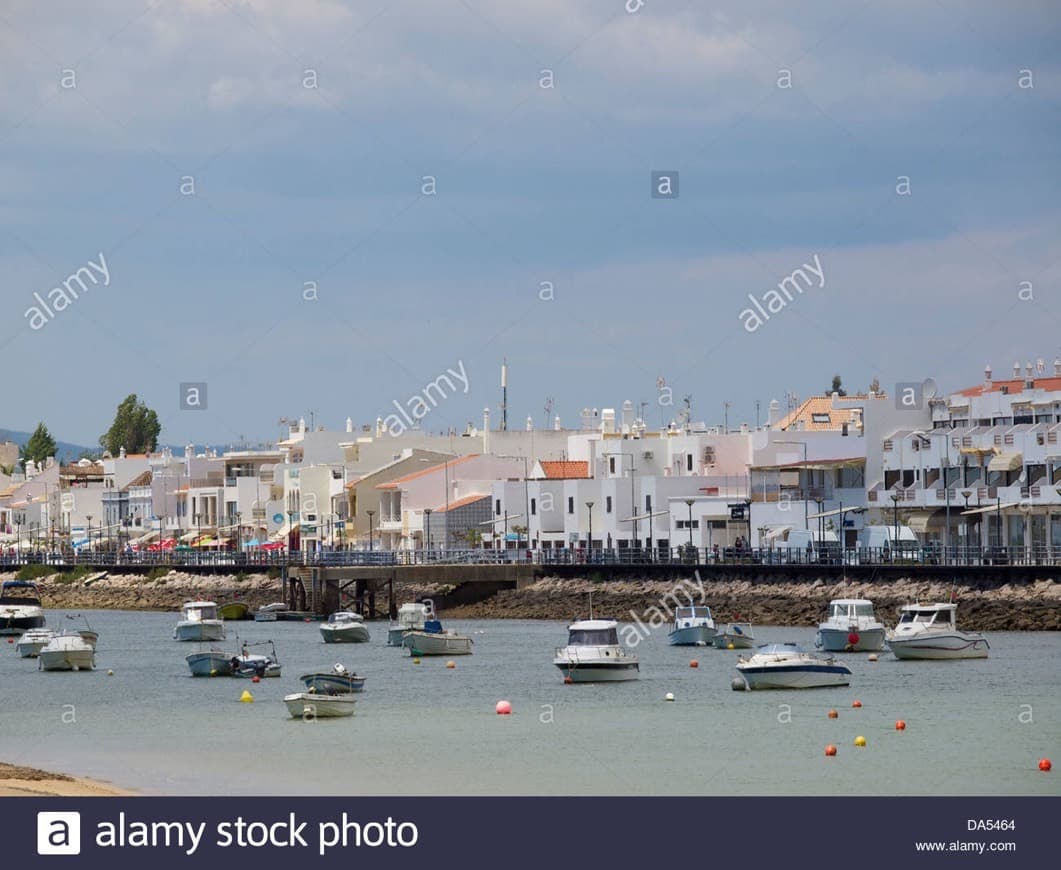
[18,781]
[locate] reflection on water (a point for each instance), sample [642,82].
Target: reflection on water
[426,729]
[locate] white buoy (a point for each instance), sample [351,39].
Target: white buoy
[669,696]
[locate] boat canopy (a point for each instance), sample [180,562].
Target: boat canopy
[780,648]
[927,615]
[694,612]
[846,608]
[593,637]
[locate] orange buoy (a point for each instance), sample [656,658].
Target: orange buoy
[856,704]
[833,714]
[451,664]
[504,708]
[900,725]
[568,681]
[694,664]
[10,640]
[830,750]
[256,679]
[1045,765]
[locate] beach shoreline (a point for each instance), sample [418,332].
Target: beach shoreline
[18,781]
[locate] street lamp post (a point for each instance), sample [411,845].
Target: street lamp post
[689,504]
[965,542]
[427,530]
[589,540]
[896,497]
[371,514]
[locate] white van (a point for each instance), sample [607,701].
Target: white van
[882,543]
[802,545]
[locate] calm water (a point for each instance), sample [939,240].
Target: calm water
[423,729]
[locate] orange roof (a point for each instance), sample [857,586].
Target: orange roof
[461,502]
[423,472]
[564,469]
[1013,385]
[810,414]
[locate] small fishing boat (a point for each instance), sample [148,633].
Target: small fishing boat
[337,681]
[233,611]
[437,643]
[270,612]
[199,622]
[20,607]
[87,634]
[789,666]
[735,635]
[594,654]
[929,631]
[313,705]
[33,641]
[412,617]
[67,652]
[210,663]
[248,664]
[693,626]
[345,626]
[851,626]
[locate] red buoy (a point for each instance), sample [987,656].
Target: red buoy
[856,704]
[568,681]
[256,679]
[1045,765]
[853,638]
[900,725]
[694,664]
[833,714]
[504,708]
[830,750]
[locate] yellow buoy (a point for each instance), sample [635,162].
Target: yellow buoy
[110,673]
[246,697]
[416,661]
[860,741]
[213,673]
[730,646]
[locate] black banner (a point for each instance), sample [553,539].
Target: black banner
[564,833]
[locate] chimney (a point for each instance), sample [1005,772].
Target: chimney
[121,453]
[379,427]
[775,413]
[1057,367]
[349,425]
[530,423]
[1029,370]
[557,427]
[486,430]
[1016,369]
[987,376]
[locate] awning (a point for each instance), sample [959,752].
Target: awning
[145,539]
[988,508]
[977,451]
[835,511]
[1006,462]
[776,533]
[815,464]
[918,523]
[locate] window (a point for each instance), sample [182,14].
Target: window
[820,418]
[608,504]
[570,504]
[534,507]
[611,464]
[689,462]
[648,503]
[497,507]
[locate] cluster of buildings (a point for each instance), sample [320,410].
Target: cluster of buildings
[979,467]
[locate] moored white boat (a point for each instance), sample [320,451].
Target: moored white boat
[270,612]
[693,626]
[345,626]
[437,643]
[20,607]
[851,626]
[33,641]
[594,654]
[248,664]
[789,666]
[929,631]
[735,635]
[337,681]
[67,652]
[199,622]
[314,705]
[412,616]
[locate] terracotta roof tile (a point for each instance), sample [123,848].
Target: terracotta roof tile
[461,502]
[565,469]
[1013,385]
[818,407]
[393,484]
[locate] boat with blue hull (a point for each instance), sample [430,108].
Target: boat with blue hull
[693,626]
[789,666]
[210,663]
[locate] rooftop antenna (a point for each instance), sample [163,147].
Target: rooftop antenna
[725,415]
[548,411]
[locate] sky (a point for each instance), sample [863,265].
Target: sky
[318,208]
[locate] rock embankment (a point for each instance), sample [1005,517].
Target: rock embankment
[1025,607]
[1034,606]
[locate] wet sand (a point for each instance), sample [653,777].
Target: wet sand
[18,781]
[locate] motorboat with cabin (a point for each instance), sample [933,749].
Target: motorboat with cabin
[33,641]
[67,652]
[412,616]
[851,626]
[20,607]
[433,641]
[693,626]
[199,622]
[789,666]
[593,653]
[735,635]
[337,681]
[930,631]
[210,663]
[270,612]
[345,626]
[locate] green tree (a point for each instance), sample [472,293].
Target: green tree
[837,387]
[135,427]
[40,446]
